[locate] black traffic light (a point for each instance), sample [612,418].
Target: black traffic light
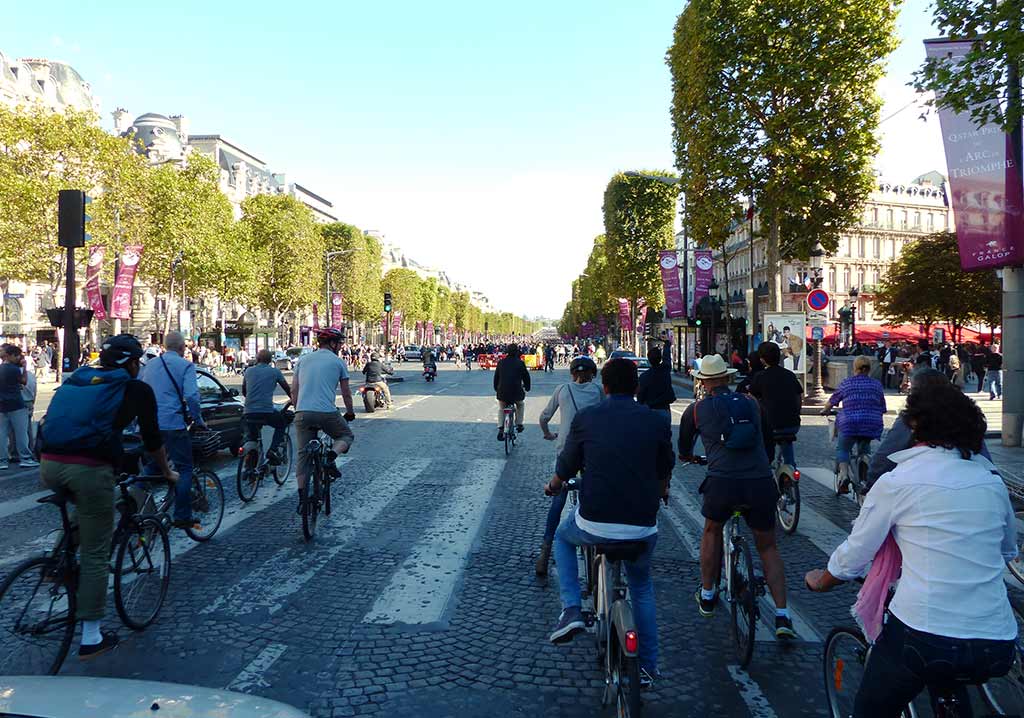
[71,218]
[691,322]
[387,301]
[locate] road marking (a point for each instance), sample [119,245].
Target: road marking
[251,676]
[25,503]
[751,694]
[269,586]
[422,587]
[827,478]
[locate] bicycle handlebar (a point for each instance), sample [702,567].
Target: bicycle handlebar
[695,460]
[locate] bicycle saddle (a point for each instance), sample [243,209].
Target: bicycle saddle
[60,497]
[621,550]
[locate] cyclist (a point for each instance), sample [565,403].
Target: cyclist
[655,388]
[953,524]
[863,400]
[375,371]
[568,399]
[730,427]
[258,385]
[314,387]
[624,451]
[173,380]
[81,446]
[511,382]
[779,393]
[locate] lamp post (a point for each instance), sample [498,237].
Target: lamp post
[816,396]
[713,297]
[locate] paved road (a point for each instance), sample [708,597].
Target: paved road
[418,597]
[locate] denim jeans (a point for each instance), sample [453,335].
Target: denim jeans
[255,422]
[994,378]
[638,576]
[844,443]
[17,422]
[554,515]
[904,661]
[788,453]
[178,445]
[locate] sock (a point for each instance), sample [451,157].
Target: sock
[706,594]
[91,633]
[782,613]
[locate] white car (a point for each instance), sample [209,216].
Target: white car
[81,697]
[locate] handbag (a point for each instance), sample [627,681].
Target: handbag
[181,397]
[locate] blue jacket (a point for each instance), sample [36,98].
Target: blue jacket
[168,402]
[624,451]
[863,402]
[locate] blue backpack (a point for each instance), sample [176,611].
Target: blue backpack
[741,428]
[82,411]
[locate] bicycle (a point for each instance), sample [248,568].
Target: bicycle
[787,479]
[852,475]
[508,424]
[38,598]
[318,482]
[253,466]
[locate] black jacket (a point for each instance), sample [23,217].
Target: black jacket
[375,371]
[511,377]
[779,392]
[655,388]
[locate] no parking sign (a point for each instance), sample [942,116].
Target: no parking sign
[818,299]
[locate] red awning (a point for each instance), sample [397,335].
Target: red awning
[905,332]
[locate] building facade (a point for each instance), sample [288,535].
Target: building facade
[55,85]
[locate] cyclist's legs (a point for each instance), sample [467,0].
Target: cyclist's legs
[774,569]
[864,446]
[554,515]
[93,491]
[520,412]
[641,593]
[888,683]
[567,538]
[788,453]
[335,426]
[252,425]
[761,496]
[179,450]
[501,413]
[305,431]
[277,420]
[843,445]
[711,546]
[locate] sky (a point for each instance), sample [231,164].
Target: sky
[476,136]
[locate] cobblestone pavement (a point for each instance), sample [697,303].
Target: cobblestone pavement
[418,596]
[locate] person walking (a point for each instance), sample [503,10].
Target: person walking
[655,389]
[887,357]
[14,415]
[994,374]
[978,365]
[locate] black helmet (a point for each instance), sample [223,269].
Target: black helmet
[582,364]
[119,350]
[329,334]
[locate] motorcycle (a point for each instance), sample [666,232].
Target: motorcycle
[430,373]
[372,399]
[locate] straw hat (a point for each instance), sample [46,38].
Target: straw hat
[712,366]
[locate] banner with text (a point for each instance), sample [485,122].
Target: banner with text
[984,182]
[641,318]
[624,318]
[703,271]
[396,324]
[92,282]
[430,332]
[336,304]
[121,301]
[316,315]
[675,303]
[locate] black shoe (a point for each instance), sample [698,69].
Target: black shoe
[706,608]
[183,523]
[519,428]
[501,434]
[108,643]
[333,471]
[784,628]
[570,622]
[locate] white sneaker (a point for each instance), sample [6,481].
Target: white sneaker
[4,465]
[30,464]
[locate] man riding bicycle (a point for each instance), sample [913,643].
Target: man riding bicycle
[779,393]
[81,446]
[375,371]
[258,386]
[863,401]
[738,479]
[511,382]
[315,385]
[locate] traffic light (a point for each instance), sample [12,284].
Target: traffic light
[691,322]
[71,218]
[387,301]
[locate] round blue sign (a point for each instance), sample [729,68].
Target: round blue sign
[817,299]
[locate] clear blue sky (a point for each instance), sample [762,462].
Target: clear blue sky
[477,136]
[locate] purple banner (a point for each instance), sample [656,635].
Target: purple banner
[396,323]
[602,325]
[430,332]
[675,303]
[703,271]
[316,316]
[121,302]
[641,310]
[336,300]
[624,318]
[92,282]
[985,185]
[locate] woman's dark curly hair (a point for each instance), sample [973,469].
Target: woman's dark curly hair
[941,415]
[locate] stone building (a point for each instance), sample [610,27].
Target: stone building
[53,84]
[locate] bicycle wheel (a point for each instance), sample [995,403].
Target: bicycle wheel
[311,506]
[744,606]
[788,505]
[1016,566]
[247,478]
[845,656]
[142,572]
[284,469]
[328,481]
[508,435]
[207,505]
[626,678]
[37,619]
[1004,696]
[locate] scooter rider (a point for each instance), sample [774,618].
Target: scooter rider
[429,362]
[375,371]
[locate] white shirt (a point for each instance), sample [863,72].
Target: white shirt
[954,524]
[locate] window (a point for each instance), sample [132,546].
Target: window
[877,247]
[903,219]
[917,220]
[888,218]
[874,216]
[832,280]
[846,279]
[860,246]
[874,278]
[209,389]
[931,222]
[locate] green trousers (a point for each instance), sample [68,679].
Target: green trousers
[92,490]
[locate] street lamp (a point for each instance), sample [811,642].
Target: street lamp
[713,298]
[327,273]
[853,316]
[816,396]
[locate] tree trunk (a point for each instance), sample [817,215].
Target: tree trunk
[170,300]
[774,269]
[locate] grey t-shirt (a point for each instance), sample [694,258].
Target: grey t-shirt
[258,385]
[318,375]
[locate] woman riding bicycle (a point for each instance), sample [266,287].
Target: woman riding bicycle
[863,401]
[950,515]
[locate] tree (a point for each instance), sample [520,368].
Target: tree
[778,97]
[978,83]
[404,287]
[355,274]
[638,221]
[926,286]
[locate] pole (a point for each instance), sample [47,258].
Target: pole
[117,270]
[327,279]
[752,326]
[816,396]
[1013,289]
[71,346]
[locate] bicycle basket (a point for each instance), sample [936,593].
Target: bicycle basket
[206,443]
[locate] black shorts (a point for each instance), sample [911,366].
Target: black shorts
[723,496]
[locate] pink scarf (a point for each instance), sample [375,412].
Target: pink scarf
[869,609]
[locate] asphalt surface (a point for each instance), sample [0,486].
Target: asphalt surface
[418,595]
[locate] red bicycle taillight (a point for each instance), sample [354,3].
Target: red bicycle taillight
[241,450]
[632,642]
[796,474]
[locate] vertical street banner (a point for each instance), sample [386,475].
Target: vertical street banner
[336,305]
[703,271]
[984,182]
[121,301]
[384,323]
[602,326]
[624,318]
[316,316]
[396,324]
[92,282]
[430,332]
[641,316]
[675,304]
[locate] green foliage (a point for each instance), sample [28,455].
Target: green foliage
[925,285]
[978,84]
[404,287]
[357,273]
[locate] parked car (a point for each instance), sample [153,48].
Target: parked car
[282,361]
[413,353]
[295,353]
[221,407]
[642,363]
[78,696]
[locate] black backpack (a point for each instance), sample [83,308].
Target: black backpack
[741,428]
